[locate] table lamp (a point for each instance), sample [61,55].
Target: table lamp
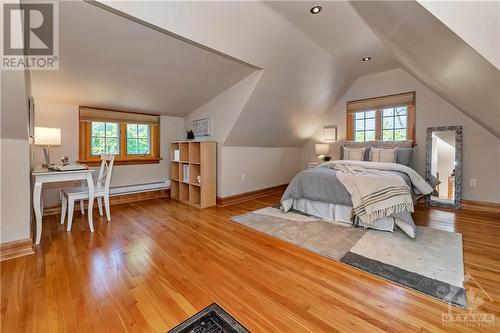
[46,136]
[322,150]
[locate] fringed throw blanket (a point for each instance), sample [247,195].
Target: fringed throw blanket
[375,193]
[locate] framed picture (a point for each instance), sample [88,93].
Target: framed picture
[330,133]
[202,127]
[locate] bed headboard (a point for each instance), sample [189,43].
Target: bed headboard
[404,153]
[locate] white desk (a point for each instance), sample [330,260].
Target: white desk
[44,175]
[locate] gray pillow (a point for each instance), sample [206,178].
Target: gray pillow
[404,156]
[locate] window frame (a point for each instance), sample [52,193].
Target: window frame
[85,148]
[379,101]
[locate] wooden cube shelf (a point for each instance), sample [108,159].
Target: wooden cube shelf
[173,147]
[194,152]
[194,173]
[200,159]
[174,189]
[183,192]
[174,170]
[184,154]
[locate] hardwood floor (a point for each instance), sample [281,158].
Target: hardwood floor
[159,262]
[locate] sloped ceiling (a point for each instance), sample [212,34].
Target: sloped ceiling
[107,60]
[300,80]
[438,57]
[341,32]
[476,22]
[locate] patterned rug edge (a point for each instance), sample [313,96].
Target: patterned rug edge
[459,301]
[436,289]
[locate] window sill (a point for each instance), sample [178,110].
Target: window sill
[131,161]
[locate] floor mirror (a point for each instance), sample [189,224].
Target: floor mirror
[443,165]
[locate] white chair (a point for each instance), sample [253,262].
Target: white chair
[70,195]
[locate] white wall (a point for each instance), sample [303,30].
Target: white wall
[65,116]
[223,110]
[15,157]
[481,149]
[260,167]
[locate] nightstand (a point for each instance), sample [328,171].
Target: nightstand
[312,165]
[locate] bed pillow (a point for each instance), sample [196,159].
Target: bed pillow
[366,157]
[383,155]
[404,221]
[404,156]
[354,154]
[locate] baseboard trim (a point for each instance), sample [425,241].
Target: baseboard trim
[237,198]
[16,249]
[481,206]
[118,199]
[478,206]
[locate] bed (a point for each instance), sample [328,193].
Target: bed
[319,192]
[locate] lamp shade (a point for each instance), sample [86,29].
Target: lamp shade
[322,148]
[47,136]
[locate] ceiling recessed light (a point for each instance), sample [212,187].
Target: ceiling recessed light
[367,58]
[316,10]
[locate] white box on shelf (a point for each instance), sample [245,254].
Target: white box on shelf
[177,155]
[185,173]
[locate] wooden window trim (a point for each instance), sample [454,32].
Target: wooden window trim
[86,157]
[410,125]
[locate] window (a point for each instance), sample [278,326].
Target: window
[105,138]
[388,118]
[138,139]
[132,137]
[394,124]
[364,126]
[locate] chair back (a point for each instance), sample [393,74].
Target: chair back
[104,178]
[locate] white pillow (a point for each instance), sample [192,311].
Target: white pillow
[383,155]
[354,154]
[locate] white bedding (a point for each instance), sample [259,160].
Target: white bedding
[337,213]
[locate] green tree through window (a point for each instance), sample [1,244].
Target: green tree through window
[105,138]
[138,139]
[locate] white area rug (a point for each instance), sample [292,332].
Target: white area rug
[433,253]
[432,263]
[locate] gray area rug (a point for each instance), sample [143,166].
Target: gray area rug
[432,263]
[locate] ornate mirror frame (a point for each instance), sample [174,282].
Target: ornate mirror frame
[458,167]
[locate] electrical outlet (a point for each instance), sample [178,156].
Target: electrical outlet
[243,177]
[473,182]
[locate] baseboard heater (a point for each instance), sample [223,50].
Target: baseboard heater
[139,188]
